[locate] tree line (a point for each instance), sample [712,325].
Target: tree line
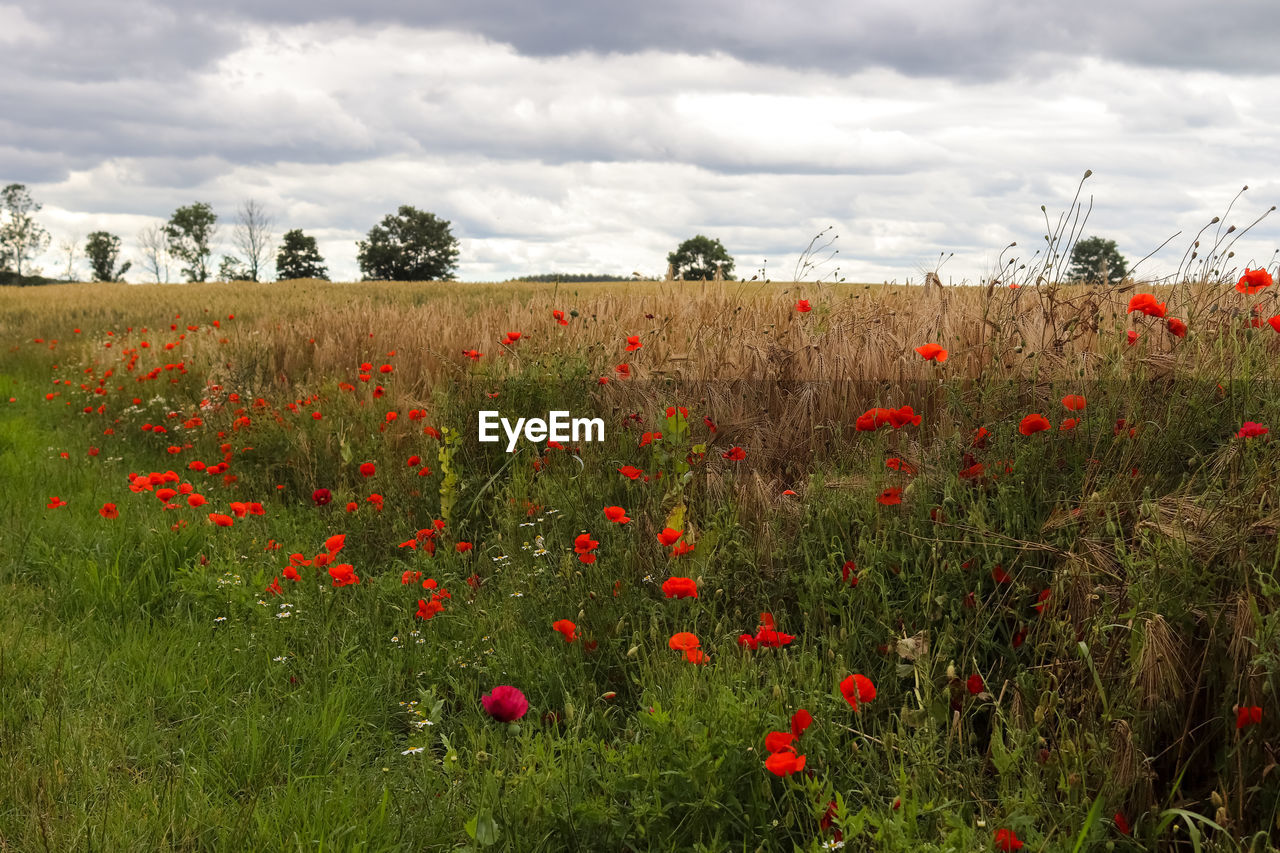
[408,245]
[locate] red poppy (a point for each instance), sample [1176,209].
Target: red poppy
[735,454]
[220,519]
[558,315]
[849,572]
[1147,304]
[802,305]
[683,641]
[321,497]
[932,352]
[633,343]
[474,355]
[784,763]
[343,574]
[975,684]
[566,628]
[505,703]
[1007,841]
[857,689]
[584,543]
[696,656]
[616,514]
[800,721]
[1248,716]
[463,547]
[1251,429]
[428,609]
[109,511]
[1254,280]
[681,549]
[890,497]
[274,588]
[1132,336]
[649,437]
[1074,402]
[680,588]
[1042,600]
[335,543]
[999,575]
[1068,424]
[973,472]
[631,472]
[711,426]
[1122,823]
[1032,424]
[778,741]
[668,536]
[1177,328]
[292,574]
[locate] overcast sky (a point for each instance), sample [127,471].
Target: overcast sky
[594,136]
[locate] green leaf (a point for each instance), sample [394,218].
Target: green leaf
[483,829]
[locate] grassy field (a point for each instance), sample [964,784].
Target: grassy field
[934,629]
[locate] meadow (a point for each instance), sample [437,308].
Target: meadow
[822,585]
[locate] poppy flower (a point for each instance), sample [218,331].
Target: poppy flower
[1042,600]
[335,542]
[505,703]
[784,763]
[463,547]
[1068,424]
[711,425]
[367,469]
[800,721]
[631,472]
[220,519]
[1032,424]
[274,588]
[999,575]
[1074,402]
[343,574]
[696,656]
[680,588]
[623,370]
[681,549]
[1274,323]
[766,635]
[616,514]
[735,454]
[1251,429]
[778,741]
[975,684]
[1177,328]
[584,543]
[973,472]
[1147,304]
[890,497]
[1254,280]
[558,316]
[1007,841]
[1132,336]
[428,609]
[857,689]
[649,437]
[109,511]
[292,574]
[321,497]
[565,628]
[669,537]
[932,352]
[1122,823]
[683,641]
[802,305]
[474,355]
[633,343]
[1248,716]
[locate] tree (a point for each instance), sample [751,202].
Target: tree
[21,237]
[698,257]
[155,252]
[190,231]
[412,245]
[252,236]
[70,248]
[103,251]
[299,257]
[232,269]
[1097,260]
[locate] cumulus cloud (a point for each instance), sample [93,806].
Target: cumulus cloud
[598,144]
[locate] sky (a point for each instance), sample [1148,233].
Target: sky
[591,136]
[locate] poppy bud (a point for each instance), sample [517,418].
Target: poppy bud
[633,651]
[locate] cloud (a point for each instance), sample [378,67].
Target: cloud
[598,161]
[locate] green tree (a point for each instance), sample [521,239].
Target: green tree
[190,232]
[103,251]
[21,237]
[299,257]
[1095,260]
[411,245]
[698,257]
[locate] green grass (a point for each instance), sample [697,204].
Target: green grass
[153,696]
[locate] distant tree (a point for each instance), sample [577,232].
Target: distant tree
[698,257]
[1096,260]
[155,252]
[233,269]
[252,236]
[411,245]
[103,251]
[299,257]
[190,232]
[70,249]
[21,237]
